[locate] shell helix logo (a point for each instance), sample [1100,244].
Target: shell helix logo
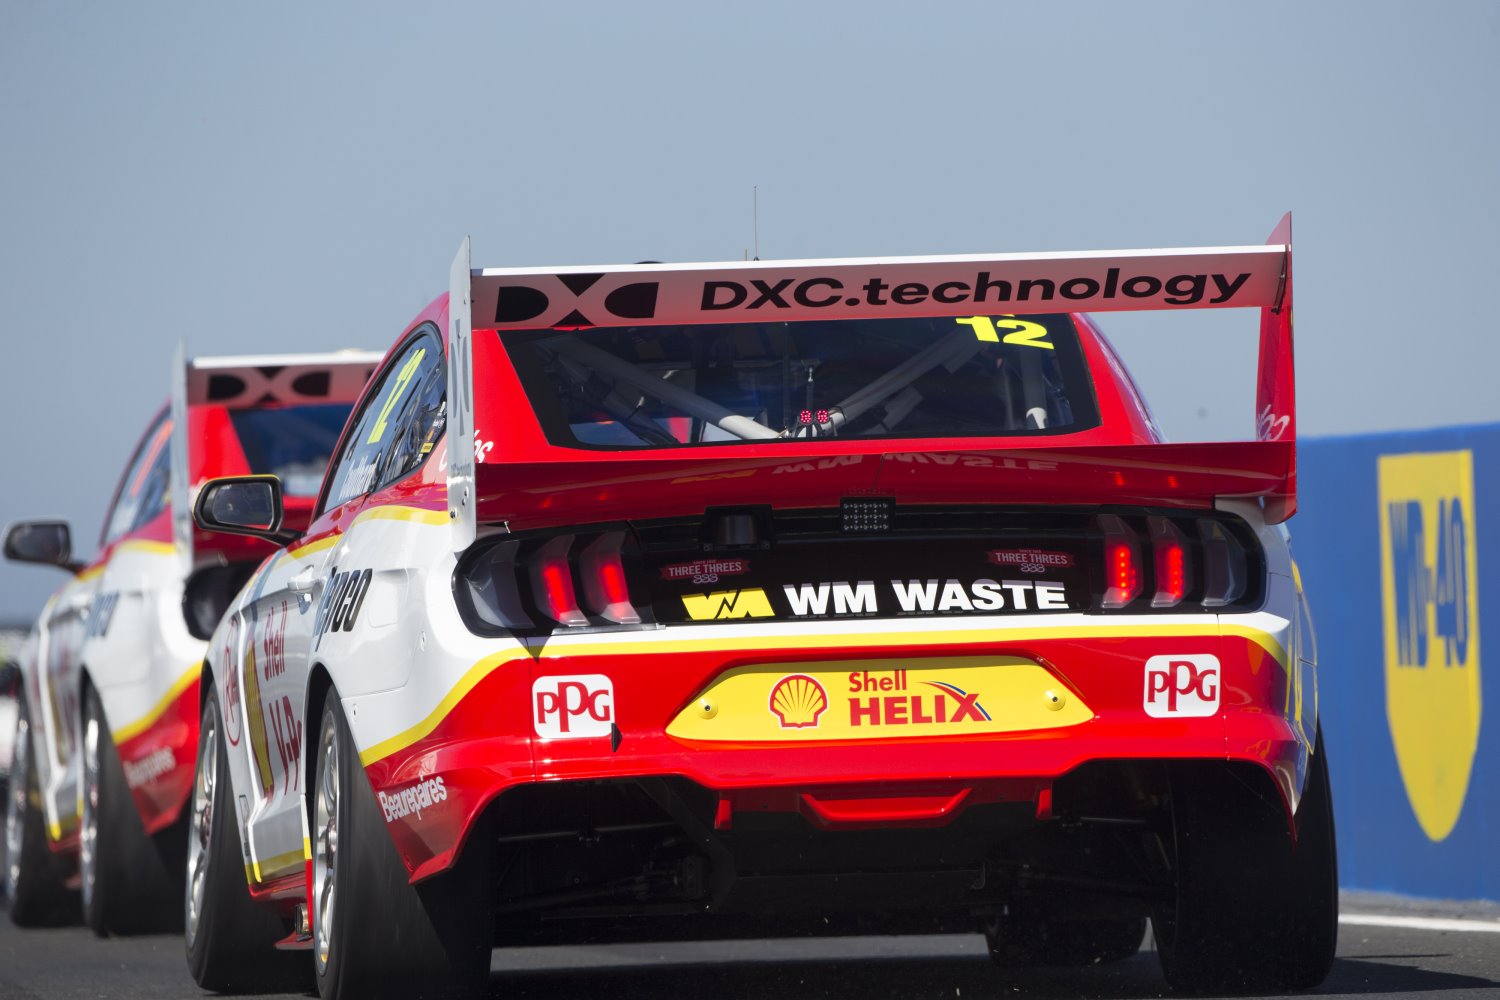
[1428,584]
[798,701]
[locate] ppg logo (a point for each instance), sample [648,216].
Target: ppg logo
[1182,686]
[572,707]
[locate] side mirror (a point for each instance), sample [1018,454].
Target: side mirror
[243,505]
[47,542]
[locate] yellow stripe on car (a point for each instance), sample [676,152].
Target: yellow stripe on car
[181,684]
[419,515]
[275,866]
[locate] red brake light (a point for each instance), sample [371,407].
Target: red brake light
[552,582]
[1173,572]
[604,584]
[1122,566]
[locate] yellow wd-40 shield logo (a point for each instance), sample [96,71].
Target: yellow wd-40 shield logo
[728,604]
[1429,595]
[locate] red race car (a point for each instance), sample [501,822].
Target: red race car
[782,595]
[103,759]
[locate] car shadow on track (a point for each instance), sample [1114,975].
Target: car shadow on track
[748,970]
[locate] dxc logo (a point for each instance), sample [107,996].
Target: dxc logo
[572,707]
[281,384]
[1182,686]
[520,303]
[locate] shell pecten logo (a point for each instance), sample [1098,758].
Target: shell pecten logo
[1430,603]
[797,701]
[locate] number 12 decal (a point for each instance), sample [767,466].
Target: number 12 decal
[403,379]
[1021,331]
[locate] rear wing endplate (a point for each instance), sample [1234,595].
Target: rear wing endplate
[882,287]
[249,382]
[460,430]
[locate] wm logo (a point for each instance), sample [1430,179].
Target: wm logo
[728,604]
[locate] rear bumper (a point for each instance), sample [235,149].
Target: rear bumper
[433,788]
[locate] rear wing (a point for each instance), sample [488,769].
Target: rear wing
[880,287]
[249,382]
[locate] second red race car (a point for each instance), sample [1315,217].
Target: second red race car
[108,720]
[776,595]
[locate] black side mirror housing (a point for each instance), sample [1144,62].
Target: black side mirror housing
[243,505]
[49,543]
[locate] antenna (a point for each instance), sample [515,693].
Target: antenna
[755,217]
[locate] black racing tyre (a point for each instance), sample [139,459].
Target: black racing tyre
[38,897]
[230,938]
[374,933]
[1312,913]
[1254,911]
[128,883]
[1024,936]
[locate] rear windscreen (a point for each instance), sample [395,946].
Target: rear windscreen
[668,386]
[291,442]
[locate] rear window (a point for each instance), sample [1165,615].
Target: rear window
[291,442]
[668,386]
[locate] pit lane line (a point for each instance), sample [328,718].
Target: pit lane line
[1420,923]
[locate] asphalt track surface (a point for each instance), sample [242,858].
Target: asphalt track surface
[1374,961]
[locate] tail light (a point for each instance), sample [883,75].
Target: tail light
[1122,564]
[486,586]
[552,582]
[605,587]
[520,584]
[1225,576]
[1185,561]
[1174,573]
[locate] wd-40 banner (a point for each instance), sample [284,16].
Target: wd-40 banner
[1399,552]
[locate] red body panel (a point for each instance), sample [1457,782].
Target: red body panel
[480,751]
[162,790]
[819,474]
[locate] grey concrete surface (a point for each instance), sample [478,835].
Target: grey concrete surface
[1373,961]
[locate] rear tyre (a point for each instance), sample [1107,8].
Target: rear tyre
[38,897]
[230,938]
[1254,911]
[128,885]
[1312,914]
[374,933]
[1025,937]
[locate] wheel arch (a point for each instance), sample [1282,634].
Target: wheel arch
[319,687]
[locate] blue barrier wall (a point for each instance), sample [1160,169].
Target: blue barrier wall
[1399,551]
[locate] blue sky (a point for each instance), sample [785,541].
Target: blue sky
[276,177]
